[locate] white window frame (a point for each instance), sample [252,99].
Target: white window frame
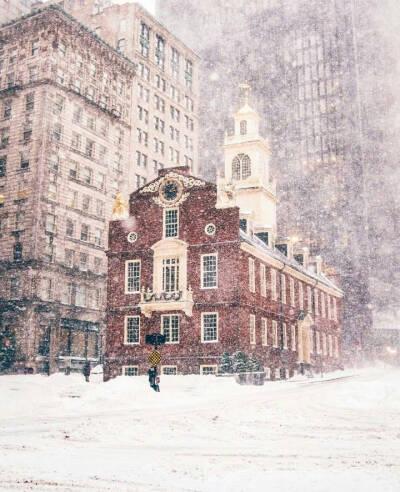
[127,263]
[165,222]
[311,335]
[124,368]
[274,290]
[252,276]
[301,296]
[330,346]
[275,337]
[328,305]
[169,367]
[309,299]
[285,337]
[213,366]
[293,337]
[170,328]
[264,332]
[336,349]
[267,371]
[292,292]
[252,329]
[318,342]
[334,308]
[202,270]
[283,288]
[323,306]
[126,330]
[202,327]
[316,302]
[324,344]
[263,280]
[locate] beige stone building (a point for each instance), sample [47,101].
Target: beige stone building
[11,9]
[76,125]
[165,116]
[65,102]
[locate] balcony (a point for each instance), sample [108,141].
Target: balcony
[166,301]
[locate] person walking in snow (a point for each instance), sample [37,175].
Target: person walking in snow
[153,379]
[86,370]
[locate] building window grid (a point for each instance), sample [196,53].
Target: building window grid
[209,271]
[264,331]
[292,292]
[274,290]
[170,278]
[301,296]
[171,223]
[252,329]
[131,371]
[283,288]
[274,333]
[170,328]
[209,327]
[132,330]
[252,279]
[132,272]
[284,336]
[293,337]
[263,280]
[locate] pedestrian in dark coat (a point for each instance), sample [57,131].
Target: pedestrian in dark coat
[86,370]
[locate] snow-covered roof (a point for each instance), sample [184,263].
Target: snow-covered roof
[277,255]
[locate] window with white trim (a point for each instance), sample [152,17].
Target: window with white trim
[334,309]
[169,370]
[316,303]
[301,296]
[323,309]
[309,299]
[209,269]
[208,370]
[284,335]
[170,328]
[252,277]
[324,346]
[318,340]
[328,304]
[132,276]
[274,333]
[292,296]
[311,335]
[252,329]
[209,327]
[336,347]
[264,331]
[283,288]
[171,222]
[330,345]
[131,371]
[132,330]
[263,281]
[273,285]
[170,279]
[293,337]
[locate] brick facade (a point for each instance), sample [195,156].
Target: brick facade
[232,298]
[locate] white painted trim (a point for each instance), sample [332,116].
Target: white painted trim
[169,367]
[126,330]
[263,280]
[126,275]
[215,366]
[202,327]
[125,367]
[292,292]
[252,326]
[202,271]
[289,270]
[164,224]
[179,327]
[284,336]
[275,337]
[264,332]
[252,275]
[283,288]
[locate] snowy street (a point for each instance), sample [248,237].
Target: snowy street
[201,433]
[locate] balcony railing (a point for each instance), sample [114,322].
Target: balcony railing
[166,301]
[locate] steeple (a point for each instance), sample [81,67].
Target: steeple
[247,171]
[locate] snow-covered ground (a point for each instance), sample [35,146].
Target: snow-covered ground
[201,433]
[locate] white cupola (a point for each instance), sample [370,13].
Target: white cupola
[247,173]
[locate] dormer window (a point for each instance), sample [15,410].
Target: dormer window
[241,167]
[264,237]
[243,225]
[243,127]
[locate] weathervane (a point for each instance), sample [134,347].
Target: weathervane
[245,89]
[120,208]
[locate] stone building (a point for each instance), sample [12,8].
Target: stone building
[204,265]
[11,9]
[65,102]
[165,111]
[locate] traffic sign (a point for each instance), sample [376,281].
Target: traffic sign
[154,358]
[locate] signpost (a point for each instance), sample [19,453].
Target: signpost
[154,358]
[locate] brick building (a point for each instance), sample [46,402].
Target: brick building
[64,152]
[203,264]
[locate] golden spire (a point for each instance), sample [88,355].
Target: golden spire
[245,88]
[120,208]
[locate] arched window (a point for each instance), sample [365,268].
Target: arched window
[243,127]
[241,167]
